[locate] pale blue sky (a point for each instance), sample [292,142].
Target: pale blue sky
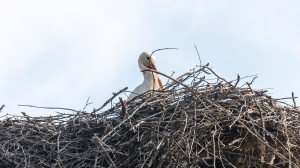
[58,53]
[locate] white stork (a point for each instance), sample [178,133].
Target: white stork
[152,81]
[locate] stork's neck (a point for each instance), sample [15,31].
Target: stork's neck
[151,81]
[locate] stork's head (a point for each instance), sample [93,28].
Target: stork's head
[147,61]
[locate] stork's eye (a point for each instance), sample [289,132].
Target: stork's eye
[148,58]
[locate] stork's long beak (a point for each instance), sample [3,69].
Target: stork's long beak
[152,66]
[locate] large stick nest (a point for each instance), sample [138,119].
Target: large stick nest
[199,120]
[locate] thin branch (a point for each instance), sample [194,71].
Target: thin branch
[163,49]
[109,100]
[2,107]
[294,101]
[198,55]
[54,108]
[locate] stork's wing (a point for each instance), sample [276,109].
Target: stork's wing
[137,91]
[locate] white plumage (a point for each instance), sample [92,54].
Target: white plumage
[152,81]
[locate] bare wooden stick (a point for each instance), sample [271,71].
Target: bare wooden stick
[186,86]
[198,55]
[2,107]
[294,101]
[109,100]
[163,49]
[252,91]
[53,108]
[237,80]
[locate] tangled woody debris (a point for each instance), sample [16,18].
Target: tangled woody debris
[199,120]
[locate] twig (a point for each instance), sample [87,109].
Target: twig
[186,86]
[237,80]
[249,85]
[214,146]
[2,107]
[170,76]
[294,101]
[87,103]
[55,108]
[198,55]
[101,143]
[109,100]
[105,136]
[163,49]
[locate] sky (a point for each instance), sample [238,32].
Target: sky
[60,53]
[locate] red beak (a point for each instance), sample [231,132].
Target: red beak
[152,66]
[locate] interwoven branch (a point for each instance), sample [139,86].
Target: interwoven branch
[199,120]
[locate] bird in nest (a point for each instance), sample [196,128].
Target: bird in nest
[152,81]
